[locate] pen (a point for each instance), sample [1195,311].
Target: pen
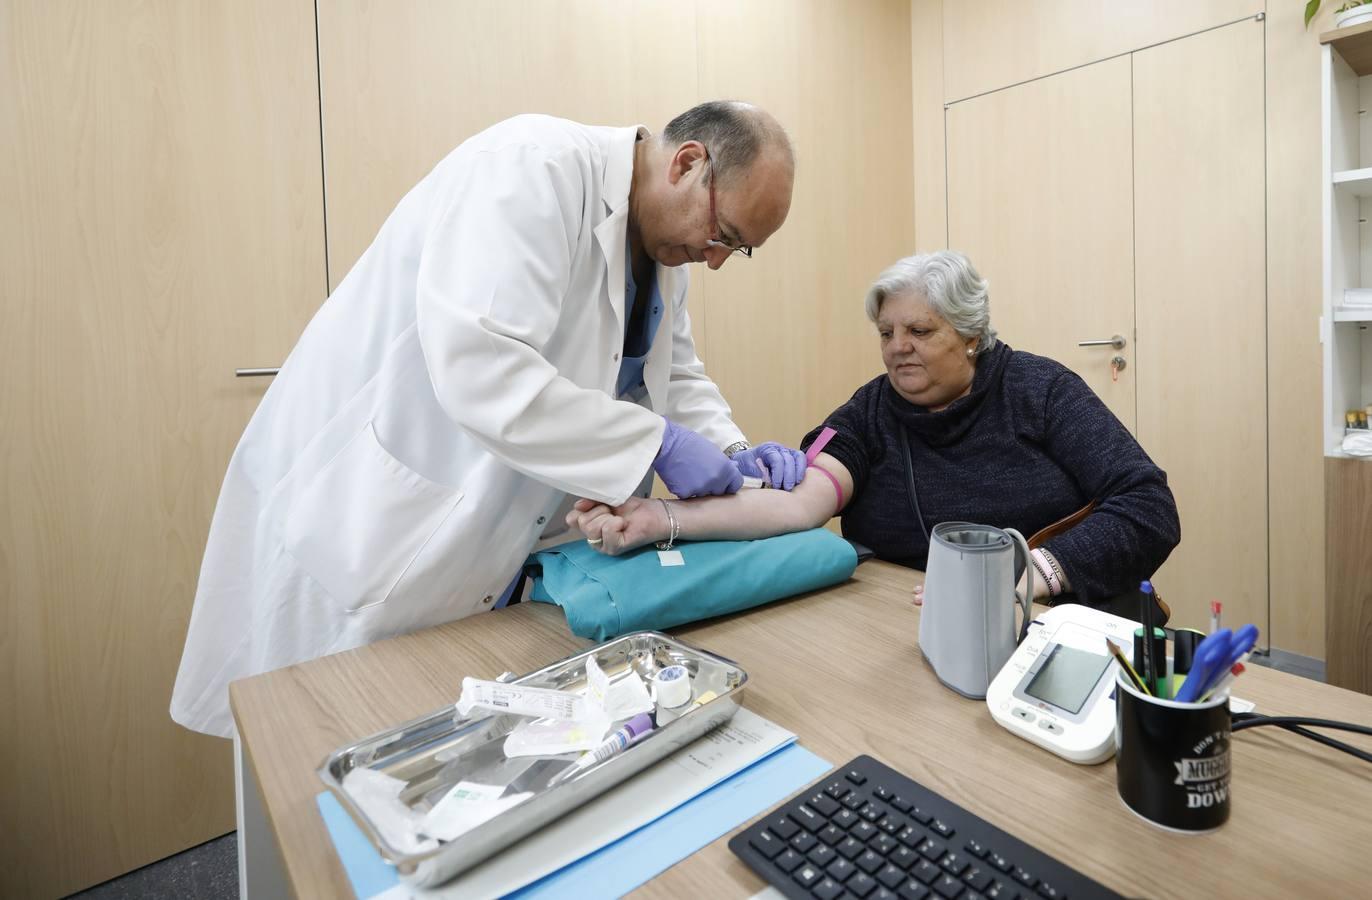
[1118,654]
[1211,655]
[1223,683]
[1150,672]
[1214,616]
[1240,648]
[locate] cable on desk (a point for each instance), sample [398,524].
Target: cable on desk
[1295,725]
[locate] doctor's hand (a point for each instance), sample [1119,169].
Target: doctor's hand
[779,466]
[617,530]
[691,466]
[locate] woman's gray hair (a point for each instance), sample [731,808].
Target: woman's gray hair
[953,288]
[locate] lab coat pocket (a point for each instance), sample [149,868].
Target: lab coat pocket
[363,519]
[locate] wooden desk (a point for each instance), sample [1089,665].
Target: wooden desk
[1301,824]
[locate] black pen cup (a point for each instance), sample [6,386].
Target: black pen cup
[1172,759]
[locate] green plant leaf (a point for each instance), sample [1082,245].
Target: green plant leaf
[1311,8]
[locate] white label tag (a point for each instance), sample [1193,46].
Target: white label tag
[670,558]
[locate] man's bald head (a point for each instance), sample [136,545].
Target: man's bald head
[735,133]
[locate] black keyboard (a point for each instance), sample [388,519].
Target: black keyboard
[866,831]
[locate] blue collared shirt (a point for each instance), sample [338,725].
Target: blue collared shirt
[637,344]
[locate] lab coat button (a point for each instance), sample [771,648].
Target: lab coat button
[542,519]
[486,600]
[615,357]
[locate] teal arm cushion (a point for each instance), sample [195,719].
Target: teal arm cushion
[606,596]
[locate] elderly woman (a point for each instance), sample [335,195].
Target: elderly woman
[960,428]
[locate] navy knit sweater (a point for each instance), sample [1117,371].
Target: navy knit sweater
[1027,446]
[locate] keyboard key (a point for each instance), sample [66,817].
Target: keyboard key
[846,818]
[999,862]
[864,831]
[890,876]
[803,841]
[869,861]
[954,863]
[827,889]
[1047,890]
[932,848]
[789,861]
[926,872]
[782,827]
[766,843]
[821,855]
[884,844]
[948,887]
[999,890]
[882,793]
[807,875]
[904,857]
[901,803]
[806,817]
[942,829]
[976,849]
[854,801]
[1024,877]
[860,885]
[911,836]
[823,804]
[838,790]
[920,816]
[977,878]
[850,847]
[882,893]
[855,776]
[840,870]
[912,890]
[831,834]
[871,812]
[891,825]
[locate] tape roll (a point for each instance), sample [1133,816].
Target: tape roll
[672,687]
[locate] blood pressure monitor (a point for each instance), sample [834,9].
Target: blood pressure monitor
[1058,689]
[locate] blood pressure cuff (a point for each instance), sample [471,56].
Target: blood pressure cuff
[606,596]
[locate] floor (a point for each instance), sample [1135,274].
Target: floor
[210,871]
[206,872]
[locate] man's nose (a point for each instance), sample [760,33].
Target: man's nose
[715,257]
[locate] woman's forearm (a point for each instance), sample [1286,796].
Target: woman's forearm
[756,513]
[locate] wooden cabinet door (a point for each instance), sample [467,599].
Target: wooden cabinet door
[1200,244]
[161,224]
[1039,198]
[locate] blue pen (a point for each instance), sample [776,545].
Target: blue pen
[1210,656]
[1240,646]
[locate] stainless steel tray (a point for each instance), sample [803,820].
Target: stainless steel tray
[433,753]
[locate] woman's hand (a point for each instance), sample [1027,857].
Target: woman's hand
[617,530]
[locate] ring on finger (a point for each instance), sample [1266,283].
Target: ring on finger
[595,542]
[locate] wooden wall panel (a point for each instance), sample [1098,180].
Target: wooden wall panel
[1294,440]
[161,225]
[783,334]
[926,69]
[788,340]
[997,43]
[1200,272]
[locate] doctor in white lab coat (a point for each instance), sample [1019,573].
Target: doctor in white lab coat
[468,378]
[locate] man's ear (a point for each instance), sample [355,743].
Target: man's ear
[689,157]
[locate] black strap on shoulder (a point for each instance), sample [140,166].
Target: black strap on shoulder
[910,481]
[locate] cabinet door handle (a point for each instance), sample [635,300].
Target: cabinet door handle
[1117,342]
[249,373]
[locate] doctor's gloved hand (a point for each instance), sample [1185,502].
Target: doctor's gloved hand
[691,466]
[779,466]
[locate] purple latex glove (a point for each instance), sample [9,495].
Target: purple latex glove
[691,466]
[784,467]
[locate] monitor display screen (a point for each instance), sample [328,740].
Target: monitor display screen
[1067,676]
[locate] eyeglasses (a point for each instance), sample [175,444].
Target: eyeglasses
[714,221]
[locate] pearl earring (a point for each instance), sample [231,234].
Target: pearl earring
[970,352]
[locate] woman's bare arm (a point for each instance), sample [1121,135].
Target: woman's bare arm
[747,515]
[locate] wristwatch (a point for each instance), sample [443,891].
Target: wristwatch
[735,447]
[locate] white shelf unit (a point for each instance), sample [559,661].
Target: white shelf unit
[1346,330]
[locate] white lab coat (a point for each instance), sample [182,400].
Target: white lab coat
[439,409]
